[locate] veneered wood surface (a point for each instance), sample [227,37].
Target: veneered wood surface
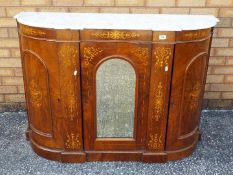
[138,56]
[52,91]
[189,70]
[161,68]
[60,87]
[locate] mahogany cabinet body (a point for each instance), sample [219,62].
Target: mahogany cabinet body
[59,68]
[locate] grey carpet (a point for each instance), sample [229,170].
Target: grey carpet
[213,156]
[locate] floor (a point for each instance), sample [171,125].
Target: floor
[213,156]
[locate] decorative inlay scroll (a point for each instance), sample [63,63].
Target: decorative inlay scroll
[116,35]
[71,102]
[30,31]
[197,34]
[155,141]
[162,56]
[72,141]
[71,107]
[158,102]
[90,53]
[35,93]
[68,54]
[141,53]
[194,95]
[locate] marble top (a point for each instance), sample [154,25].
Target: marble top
[154,22]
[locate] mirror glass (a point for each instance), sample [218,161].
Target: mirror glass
[115,98]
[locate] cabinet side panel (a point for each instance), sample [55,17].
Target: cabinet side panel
[52,82]
[40,67]
[192,87]
[38,94]
[188,81]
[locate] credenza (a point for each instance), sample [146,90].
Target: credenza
[114,87]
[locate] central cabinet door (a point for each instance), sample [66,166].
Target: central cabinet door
[115,82]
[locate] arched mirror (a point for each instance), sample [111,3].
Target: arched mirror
[115,99]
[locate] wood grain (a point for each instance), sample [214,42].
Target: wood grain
[59,69]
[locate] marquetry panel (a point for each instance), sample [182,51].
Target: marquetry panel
[32,31]
[190,35]
[46,33]
[106,34]
[90,53]
[186,93]
[142,54]
[68,55]
[37,78]
[161,66]
[70,94]
[192,90]
[72,141]
[93,56]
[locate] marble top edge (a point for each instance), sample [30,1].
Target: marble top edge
[154,22]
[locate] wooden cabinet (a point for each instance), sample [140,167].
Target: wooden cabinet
[77,81]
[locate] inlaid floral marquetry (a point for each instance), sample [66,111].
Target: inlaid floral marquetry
[194,95]
[71,108]
[31,31]
[72,141]
[162,55]
[90,53]
[116,35]
[197,34]
[142,54]
[69,87]
[158,102]
[68,55]
[101,87]
[35,94]
[68,52]
[155,141]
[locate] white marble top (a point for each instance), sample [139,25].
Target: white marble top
[154,22]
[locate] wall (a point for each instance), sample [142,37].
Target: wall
[219,87]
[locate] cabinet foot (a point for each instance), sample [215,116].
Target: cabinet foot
[181,153]
[151,157]
[59,154]
[73,157]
